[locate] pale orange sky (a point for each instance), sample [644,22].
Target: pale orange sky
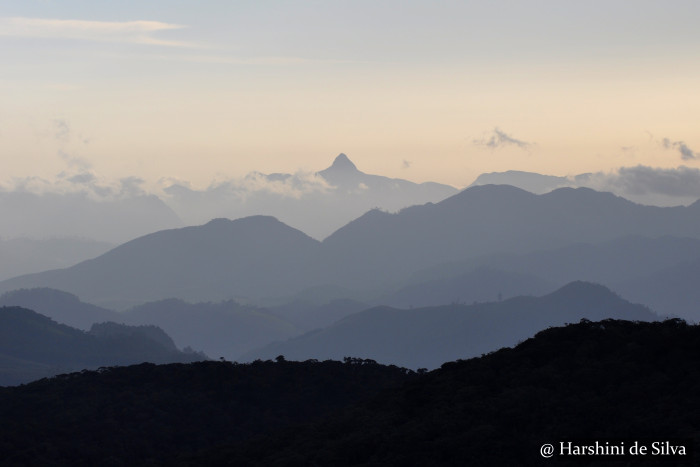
[212,90]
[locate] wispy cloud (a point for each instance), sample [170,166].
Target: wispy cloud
[498,138]
[685,152]
[134,32]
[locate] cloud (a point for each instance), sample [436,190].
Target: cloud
[685,152]
[642,180]
[82,178]
[499,138]
[131,187]
[132,32]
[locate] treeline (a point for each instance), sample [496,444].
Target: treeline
[144,413]
[602,381]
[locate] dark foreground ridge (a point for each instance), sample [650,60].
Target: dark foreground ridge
[600,381]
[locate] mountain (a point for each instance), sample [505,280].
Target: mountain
[147,414]
[528,181]
[315,203]
[33,346]
[27,255]
[216,261]
[581,383]
[305,315]
[672,291]
[259,257]
[482,220]
[427,337]
[480,284]
[62,307]
[27,214]
[610,263]
[226,329]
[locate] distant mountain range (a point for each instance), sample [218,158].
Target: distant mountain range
[316,204]
[260,257]
[428,337]
[37,226]
[33,346]
[226,329]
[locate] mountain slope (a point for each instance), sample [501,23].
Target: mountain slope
[216,261]
[490,219]
[259,257]
[33,346]
[586,381]
[427,337]
[609,381]
[318,204]
[226,329]
[60,306]
[146,414]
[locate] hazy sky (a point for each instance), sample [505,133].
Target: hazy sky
[422,90]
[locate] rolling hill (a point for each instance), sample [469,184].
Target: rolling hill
[427,337]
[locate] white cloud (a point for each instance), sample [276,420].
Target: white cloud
[134,32]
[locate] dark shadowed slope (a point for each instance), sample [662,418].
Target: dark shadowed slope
[602,381]
[33,346]
[606,381]
[216,261]
[147,414]
[427,337]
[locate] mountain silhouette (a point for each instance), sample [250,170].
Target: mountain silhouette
[585,381]
[529,181]
[62,307]
[611,263]
[33,346]
[427,337]
[610,381]
[490,219]
[217,261]
[315,203]
[259,257]
[226,329]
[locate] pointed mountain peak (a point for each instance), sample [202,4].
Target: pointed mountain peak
[343,163]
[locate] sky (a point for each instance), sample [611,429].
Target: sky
[199,91]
